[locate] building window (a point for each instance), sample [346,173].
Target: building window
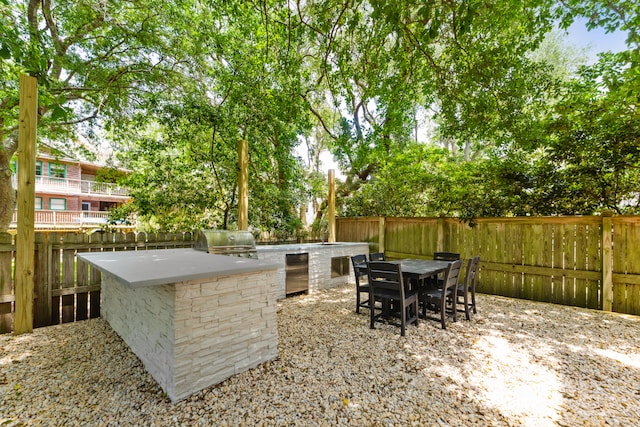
[86,206]
[56,204]
[38,203]
[14,167]
[57,170]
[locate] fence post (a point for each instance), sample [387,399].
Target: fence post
[331,211]
[25,245]
[440,238]
[607,262]
[243,184]
[381,231]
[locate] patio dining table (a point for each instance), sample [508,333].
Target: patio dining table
[416,270]
[414,273]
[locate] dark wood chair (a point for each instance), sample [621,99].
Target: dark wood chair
[387,286]
[360,271]
[467,289]
[446,256]
[436,297]
[377,256]
[443,256]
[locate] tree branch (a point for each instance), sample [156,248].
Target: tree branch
[32,18]
[320,119]
[11,143]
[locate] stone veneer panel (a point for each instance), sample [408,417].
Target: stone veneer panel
[191,335]
[319,262]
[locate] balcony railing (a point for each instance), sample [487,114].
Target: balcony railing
[75,186]
[66,219]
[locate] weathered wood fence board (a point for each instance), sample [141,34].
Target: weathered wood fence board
[82,281]
[66,289]
[95,277]
[365,229]
[7,254]
[626,265]
[550,259]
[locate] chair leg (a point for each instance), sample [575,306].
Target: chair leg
[443,313]
[372,316]
[466,306]
[403,318]
[455,308]
[357,295]
[473,301]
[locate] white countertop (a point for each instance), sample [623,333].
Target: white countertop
[305,246]
[165,266]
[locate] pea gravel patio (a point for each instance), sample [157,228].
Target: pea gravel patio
[517,363]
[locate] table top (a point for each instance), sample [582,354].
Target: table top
[422,268]
[165,266]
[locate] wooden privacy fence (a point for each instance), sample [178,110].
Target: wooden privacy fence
[591,262]
[65,288]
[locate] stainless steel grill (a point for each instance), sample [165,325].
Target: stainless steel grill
[225,242]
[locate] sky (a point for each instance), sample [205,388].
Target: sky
[596,40]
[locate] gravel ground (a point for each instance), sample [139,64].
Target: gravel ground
[517,363]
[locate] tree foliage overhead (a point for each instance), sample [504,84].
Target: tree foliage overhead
[515,130]
[519,129]
[93,60]
[229,92]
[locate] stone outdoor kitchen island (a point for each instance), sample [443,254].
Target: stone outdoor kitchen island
[194,319]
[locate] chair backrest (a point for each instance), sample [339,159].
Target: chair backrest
[446,256]
[377,256]
[452,276]
[471,273]
[359,263]
[385,276]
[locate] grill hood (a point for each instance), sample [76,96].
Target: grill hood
[225,242]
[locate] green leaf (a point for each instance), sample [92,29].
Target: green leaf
[58,113]
[5,53]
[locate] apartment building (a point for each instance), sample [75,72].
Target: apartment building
[71,194]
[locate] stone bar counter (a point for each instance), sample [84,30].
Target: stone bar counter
[323,258]
[194,319]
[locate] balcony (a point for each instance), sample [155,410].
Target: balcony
[68,220]
[47,184]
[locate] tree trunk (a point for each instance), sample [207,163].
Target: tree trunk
[7,193]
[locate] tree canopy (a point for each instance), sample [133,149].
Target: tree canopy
[435,107]
[94,61]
